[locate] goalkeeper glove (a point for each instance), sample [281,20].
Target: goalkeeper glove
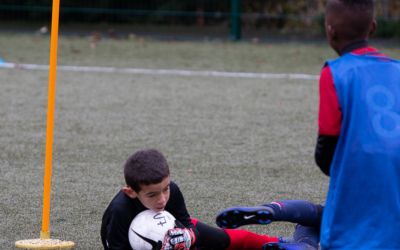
[179,238]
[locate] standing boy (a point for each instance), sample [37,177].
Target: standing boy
[148,186]
[359,134]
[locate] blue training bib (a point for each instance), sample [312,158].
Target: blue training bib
[362,210]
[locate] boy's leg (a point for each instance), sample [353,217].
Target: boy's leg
[304,238]
[209,237]
[245,240]
[308,235]
[213,238]
[288,246]
[296,211]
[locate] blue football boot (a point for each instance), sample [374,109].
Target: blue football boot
[239,216]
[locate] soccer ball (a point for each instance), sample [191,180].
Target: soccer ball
[148,228]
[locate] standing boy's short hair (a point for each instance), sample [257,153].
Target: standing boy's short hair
[145,167]
[356,5]
[356,16]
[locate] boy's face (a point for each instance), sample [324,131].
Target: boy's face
[154,196]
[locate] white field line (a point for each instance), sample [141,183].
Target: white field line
[170,72]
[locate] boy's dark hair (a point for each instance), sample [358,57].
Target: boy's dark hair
[362,4]
[358,14]
[145,167]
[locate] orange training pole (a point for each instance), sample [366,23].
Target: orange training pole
[45,233]
[45,242]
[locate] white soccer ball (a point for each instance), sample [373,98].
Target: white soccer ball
[148,228]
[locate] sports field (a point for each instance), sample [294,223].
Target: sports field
[231,139]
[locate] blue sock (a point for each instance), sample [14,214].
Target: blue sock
[297,211]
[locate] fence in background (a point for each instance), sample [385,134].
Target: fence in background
[287,16]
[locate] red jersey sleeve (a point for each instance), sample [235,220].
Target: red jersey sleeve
[330,115]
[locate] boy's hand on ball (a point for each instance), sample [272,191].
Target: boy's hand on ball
[178,239]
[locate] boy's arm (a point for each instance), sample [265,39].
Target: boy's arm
[177,207]
[117,233]
[329,121]
[324,151]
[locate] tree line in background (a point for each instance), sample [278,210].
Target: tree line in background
[282,15]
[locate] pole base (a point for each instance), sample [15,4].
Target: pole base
[44,244]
